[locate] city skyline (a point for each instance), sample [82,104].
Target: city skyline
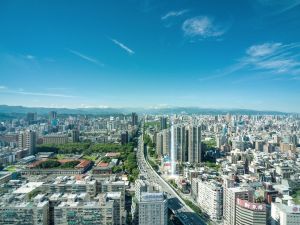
[151,54]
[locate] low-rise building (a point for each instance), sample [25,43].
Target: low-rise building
[15,210]
[283,214]
[75,210]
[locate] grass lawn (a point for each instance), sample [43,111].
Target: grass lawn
[11,168]
[91,157]
[296,197]
[60,156]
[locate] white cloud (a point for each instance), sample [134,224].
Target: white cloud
[121,45]
[268,59]
[2,87]
[174,14]
[87,106]
[85,57]
[277,7]
[202,26]
[30,57]
[42,94]
[263,49]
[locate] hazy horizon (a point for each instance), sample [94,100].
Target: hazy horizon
[158,107]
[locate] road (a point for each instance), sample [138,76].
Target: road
[185,214]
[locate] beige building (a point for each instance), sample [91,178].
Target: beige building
[163,142]
[55,139]
[27,139]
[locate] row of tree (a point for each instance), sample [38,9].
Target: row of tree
[85,148]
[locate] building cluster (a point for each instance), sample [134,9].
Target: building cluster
[249,169]
[19,137]
[187,143]
[80,199]
[40,188]
[238,169]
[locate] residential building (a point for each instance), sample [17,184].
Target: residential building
[210,198]
[194,144]
[27,139]
[15,210]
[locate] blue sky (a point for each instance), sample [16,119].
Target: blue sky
[151,53]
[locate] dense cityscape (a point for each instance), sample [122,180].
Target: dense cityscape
[150,169]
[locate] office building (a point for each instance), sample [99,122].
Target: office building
[142,186]
[31,117]
[134,119]
[249,213]
[152,209]
[52,115]
[181,143]
[75,135]
[124,138]
[230,197]
[163,123]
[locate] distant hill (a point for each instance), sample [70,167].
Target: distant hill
[8,111]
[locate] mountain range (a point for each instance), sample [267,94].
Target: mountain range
[5,109]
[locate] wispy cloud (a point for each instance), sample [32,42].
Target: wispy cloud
[263,49]
[85,57]
[277,7]
[6,90]
[174,14]
[121,45]
[202,26]
[267,58]
[273,57]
